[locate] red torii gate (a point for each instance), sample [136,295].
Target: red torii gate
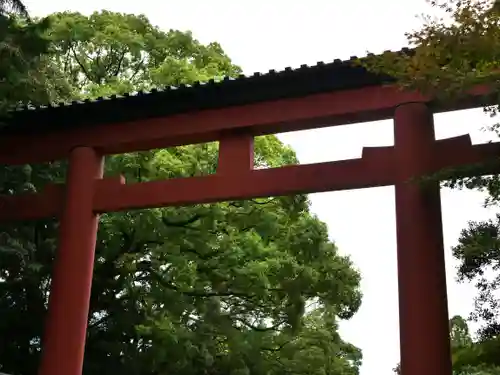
[234,112]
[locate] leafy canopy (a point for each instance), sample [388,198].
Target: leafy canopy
[253,287]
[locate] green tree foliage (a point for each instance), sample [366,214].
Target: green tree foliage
[111,53]
[28,77]
[13,7]
[252,287]
[456,49]
[469,356]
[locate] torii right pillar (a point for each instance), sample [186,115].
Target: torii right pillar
[423,305]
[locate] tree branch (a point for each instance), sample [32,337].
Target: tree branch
[72,48]
[183,223]
[137,68]
[119,65]
[145,266]
[277,349]
[260,329]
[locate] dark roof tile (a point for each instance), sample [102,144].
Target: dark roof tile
[229,91]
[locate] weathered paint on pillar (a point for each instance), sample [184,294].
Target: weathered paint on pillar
[64,339]
[423,308]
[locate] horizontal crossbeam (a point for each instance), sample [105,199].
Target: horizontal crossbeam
[376,167]
[271,117]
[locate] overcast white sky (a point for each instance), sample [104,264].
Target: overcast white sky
[271,34]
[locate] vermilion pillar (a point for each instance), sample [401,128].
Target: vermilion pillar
[64,339]
[423,308]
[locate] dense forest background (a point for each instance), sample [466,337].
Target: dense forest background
[252,287]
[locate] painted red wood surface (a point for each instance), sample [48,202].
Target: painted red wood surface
[66,326]
[314,111]
[421,274]
[423,306]
[376,167]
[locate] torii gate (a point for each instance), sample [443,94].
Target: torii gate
[234,112]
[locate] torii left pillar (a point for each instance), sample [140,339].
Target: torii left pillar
[66,327]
